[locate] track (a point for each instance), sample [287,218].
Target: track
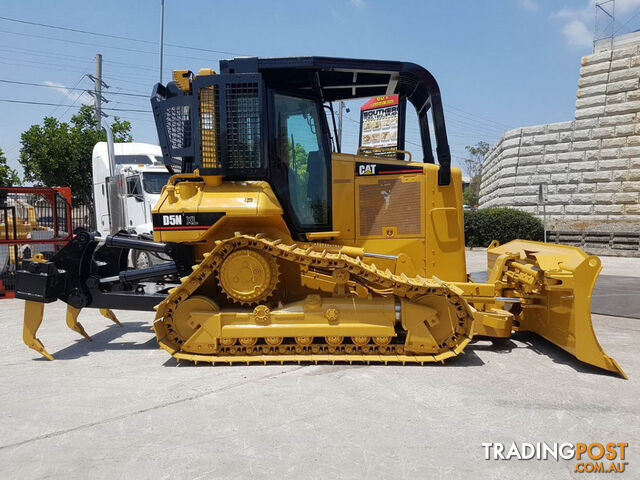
[360,280]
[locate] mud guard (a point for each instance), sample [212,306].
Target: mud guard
[556,283]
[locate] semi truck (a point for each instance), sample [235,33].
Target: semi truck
[126,192]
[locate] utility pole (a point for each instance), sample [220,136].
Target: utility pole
[97,82]
[340,108]
[161,35]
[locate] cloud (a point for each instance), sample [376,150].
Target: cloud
[530,5]
[357,3]
[577,33]
[71,95]
[577,23]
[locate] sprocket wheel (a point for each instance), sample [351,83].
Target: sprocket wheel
[248,277]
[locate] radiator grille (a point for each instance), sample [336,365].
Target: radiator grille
[390,203]
[243,126]
[178,124]
[209,126]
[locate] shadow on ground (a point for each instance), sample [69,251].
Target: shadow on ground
[105,340]
[108,339]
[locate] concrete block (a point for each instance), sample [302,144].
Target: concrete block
[616,98]
[609,153]
[557,148]
[534,130]
[617,108]
[598,176]
[554,209]
[592,101]
[592,112]
[534,150]
[571,156]
[546,139]
[583,166]
[603,132]
[586,145]
[560,127]
[616,119]
[565,137]
[608,186]
[614,142]
[620,64]
[553,167]
[557,199]
[633,140]
[634,61]
[624,130]
[627,197]
[516,132]
[633,95]
[603,198]
[574,177]
[633,174]
[521,200]
[621,75]
[596,58]
[630,152]
[593,80]
[581,135]
[511,142]
[613,164]
[578,209]
[539,178]
[510,152]
[527,169]
[586,188]
[592,154]
[558,178]
[527,140]
[590,91]
[624,52]
[608,209]
[631,187]
[621,175]
[567,188]
[586,123]
[582,198]
[532,160]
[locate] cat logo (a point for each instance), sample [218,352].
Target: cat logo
[171,220]
[367,169]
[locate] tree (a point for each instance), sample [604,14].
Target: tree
[58,154]
[8,176]
[473,168]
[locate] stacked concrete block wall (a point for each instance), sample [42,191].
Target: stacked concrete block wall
[590,165]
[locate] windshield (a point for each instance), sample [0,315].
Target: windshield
[154,181]
[299,147]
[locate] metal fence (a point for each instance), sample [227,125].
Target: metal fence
[620,243]
[32,221]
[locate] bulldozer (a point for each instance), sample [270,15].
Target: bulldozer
[284,249]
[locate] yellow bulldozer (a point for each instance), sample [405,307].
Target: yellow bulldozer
[284,249]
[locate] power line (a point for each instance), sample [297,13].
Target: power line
[28,102]
[107,35]
[103,46]
[69,88]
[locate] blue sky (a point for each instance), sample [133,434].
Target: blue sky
[500,64]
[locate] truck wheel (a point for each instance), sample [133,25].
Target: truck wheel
[141,259]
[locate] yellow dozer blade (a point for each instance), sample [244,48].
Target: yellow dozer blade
[555,283]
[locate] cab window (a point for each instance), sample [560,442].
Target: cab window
[300,147]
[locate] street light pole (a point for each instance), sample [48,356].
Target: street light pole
[161,35]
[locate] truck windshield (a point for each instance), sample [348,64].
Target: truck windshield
[154,181]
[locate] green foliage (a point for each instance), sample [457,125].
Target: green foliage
[481,227]
[472,166]
[8,176]
[58,154]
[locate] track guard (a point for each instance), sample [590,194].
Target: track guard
[555,283]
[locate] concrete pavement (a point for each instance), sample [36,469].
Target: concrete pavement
[119,407]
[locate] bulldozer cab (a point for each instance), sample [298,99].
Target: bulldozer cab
[264,119]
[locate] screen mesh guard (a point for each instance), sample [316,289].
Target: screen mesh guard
[217,127]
